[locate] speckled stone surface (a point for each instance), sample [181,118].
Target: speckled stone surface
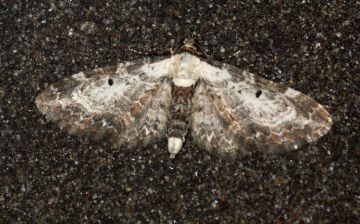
[49,176]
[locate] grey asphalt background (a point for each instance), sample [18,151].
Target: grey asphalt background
[49,176]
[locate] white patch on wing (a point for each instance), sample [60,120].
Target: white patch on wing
[272,111]
[158,69]
[94,97]
[211,73]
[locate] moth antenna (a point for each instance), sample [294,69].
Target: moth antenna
[152,52]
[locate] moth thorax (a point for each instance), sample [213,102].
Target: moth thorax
[185,64]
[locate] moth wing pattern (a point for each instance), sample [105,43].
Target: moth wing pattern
[127,103]
[236,112]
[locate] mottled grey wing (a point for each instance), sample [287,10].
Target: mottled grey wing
[236,113]
[127,103]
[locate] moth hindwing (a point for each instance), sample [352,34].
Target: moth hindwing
[226,110]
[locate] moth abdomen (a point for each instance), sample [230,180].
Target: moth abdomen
[180,111]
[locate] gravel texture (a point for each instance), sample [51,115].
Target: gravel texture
[49,176]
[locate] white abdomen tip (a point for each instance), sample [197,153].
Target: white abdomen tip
[174,146]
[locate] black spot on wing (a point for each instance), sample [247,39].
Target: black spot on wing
[258,93]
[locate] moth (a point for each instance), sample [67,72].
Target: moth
[224,109]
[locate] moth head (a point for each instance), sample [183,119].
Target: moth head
[192,46]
